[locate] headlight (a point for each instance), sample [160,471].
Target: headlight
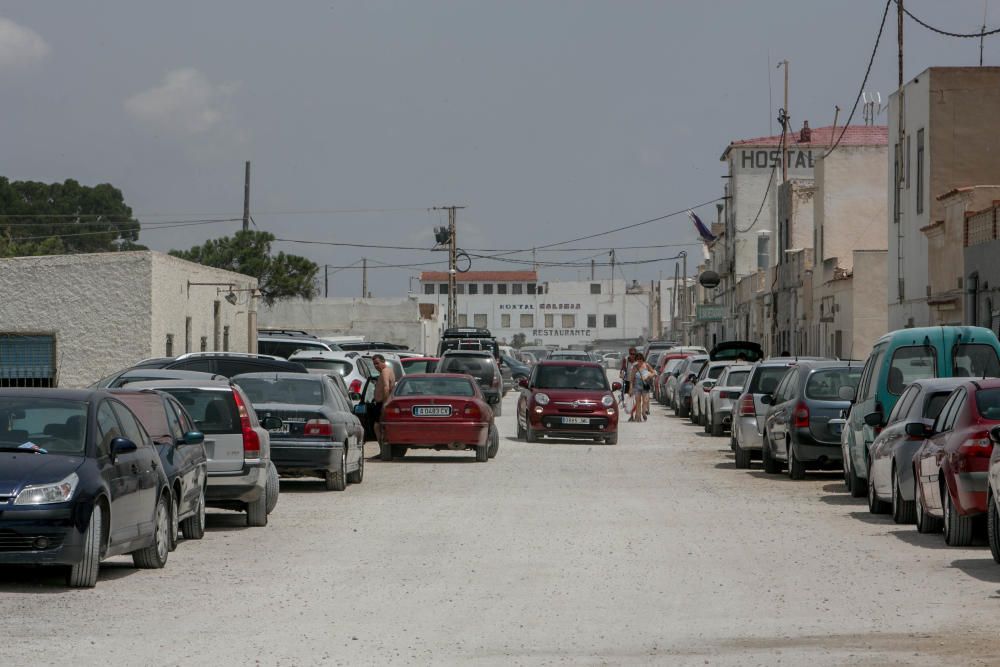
[542,399]
[608,400]
[46,494]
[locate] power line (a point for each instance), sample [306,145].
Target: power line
[774,170]
[98,221]
[948,33]
[99,232]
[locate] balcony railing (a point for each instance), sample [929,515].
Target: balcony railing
[981,227]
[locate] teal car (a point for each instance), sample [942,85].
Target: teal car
[897,359]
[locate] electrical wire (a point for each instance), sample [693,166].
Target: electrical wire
[98,232]
[32,223]
[767,190]
[948,33]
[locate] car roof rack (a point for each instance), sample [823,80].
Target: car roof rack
[297,333]
[467,332]
[238,355]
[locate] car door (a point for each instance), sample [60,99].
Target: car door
[861,435]
[933,450]
[882,447]
[188,459]
[778,415]
[144,468]
[118,476]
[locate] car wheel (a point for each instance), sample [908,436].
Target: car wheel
[875,506]
[385,451]
[336,480]
[273,487]
[682,411]
[957,528]
[155,555]
[902,510]
[84,573]
[771,466]
[530,435]
[857,485]
[482,453]
[717,428]
[175,510]
[796,469]
[612,439]
[993,528]
[498,408]
[358,475]
[742,458]
[494,442]
[521,433]
[925,522]
[399,451]
[193,527]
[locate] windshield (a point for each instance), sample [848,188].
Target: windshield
[975,360]
[53,425]
[341,366]
[737,378]
[824,385]
[481,368]
[766,379]
[988,403]
[419,366]
[715,371]
[909,364]
[571,377]
[432,386]
[283,390]
[213,411]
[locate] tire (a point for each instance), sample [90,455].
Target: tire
[925,522]
[717,430]
[175,526]
[385,451]
[612,439]
[957,528]
[742,459]
[84,573]
[273,487]
[399,451]
[903,511]
[358,475]
[257,512]
[875,506]
[193,527]
[482,453]
[993,528]
[521,433]
[494,447]
[498,408]
[155,555]
[530,435]
[796,469]
[682,411]
[336,480]
[771,465]
[707,424]
[857,485]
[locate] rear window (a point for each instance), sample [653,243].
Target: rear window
[213,412]
[571,377]
[909,364]
[737,378]
[988,403]
[432,386]
[697,365]
[715,371]
[285,348]
[481,368]
[766,379]
[824,385]
[975,360]
[419,366]
[307,391]
[934,403]
[341,366]
[672,364]
[149,410]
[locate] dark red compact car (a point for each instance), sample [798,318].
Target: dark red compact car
[438,411]
[419,364]
[951,467]
[568,399]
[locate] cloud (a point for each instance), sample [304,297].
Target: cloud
[185,103]
[20,46]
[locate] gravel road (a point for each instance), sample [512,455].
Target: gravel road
[654,551]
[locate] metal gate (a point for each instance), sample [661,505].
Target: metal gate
[27,360]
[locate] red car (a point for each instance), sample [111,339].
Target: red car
[438,411]
[419,364]
[952,465]
[568,399]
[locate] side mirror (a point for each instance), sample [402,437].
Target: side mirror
[523,383]
[767,399]
[921,430]
[847,393]
[874,419]
[272,423]
[122,446]
[995,434]
[616,386]
[360,409]
[193,438]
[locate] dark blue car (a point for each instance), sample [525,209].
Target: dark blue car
[80,481]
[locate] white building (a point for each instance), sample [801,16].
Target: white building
[550,313]
[68,320]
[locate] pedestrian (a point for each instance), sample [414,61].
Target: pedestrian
[625,373]
[383,387]
[641,376]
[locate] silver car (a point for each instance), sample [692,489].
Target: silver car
[710,374]
[722,397]
[748,422]
[351,366]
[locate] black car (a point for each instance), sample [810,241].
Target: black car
[480,365]
[182,454]
[518,370]
[122,378]
[80,481]
[314,432]
[226,364]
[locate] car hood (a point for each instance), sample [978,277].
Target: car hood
[17,469]
[569,395]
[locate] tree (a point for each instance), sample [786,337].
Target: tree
[518,340]
[278,276]
[60,218]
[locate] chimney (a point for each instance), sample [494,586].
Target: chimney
[806,133]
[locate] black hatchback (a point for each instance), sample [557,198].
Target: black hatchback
[80,481]
[481,366]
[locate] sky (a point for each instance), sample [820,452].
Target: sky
[547,119]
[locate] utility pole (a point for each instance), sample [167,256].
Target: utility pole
[684,301]
[592,265]
[612,272]
[364,277]
[898,175]
[452,262]
[246,198]
[784,127]
[673,304]
[326,281]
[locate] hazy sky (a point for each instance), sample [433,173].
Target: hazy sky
[548,120]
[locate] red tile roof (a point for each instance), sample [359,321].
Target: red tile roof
[856,135]
[481,276]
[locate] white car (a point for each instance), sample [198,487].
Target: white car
[710,373]
[351,366]
[726,391]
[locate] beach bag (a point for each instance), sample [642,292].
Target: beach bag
[629,403]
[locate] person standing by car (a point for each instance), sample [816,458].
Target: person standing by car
[626,371]
[383,387]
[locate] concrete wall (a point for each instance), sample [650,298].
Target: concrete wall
[982,259]
[870,320]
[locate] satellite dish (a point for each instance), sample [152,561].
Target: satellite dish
[709,279]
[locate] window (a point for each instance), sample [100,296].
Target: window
[595,288]
[949,414]
[225,339]
[479,320]
[505,321]
[187,334]
[517,288]
[988,403]
[569,321]
[897,180]
[27,361]
[549,320]
[473,288]
[459,288]
[903,405]
[825,385]
[170,345]
[501,288]
[974,360]
[429,288]
[867,387]
[204,343]
[531,288]
[216,324]
[906,161]
[527,320]
[107,429]
[610,321]
[463,320]
[920,170]
[763,251]
[488,288]
[130,427]
[909,364]
[592,321]
[443,288]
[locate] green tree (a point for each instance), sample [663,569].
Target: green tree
[59,218]
[278,276]
[518,341]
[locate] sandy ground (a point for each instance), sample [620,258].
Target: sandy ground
[654,551]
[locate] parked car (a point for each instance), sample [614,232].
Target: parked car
[890,460]
[313,429]
[468,338]
[748,423]
[369,346]
[669,363]
[952,465]
[241,476]
[803,425]
[482,367]
[992,500]
[526,358]
[286,342]
[737,350]
[659,345]
[441,412]
[80,481]
[518,370]
[182,454]
[683,384]
[612,360]
[710,372]
[226,364]
[351,366]
[570,355]
[394,362]
[539,352]
[897,359]
[568,399]
[128,376]
[726,391]
[419,365]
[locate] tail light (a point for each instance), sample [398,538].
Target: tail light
[705,388]
[472,411]
[496,380]
[974,453]
[251,441]
[318,427]
[976,443]
[801,416]
[747,406]
[355,387]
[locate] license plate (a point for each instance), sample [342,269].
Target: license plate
[280,431]
[575,420]
[432,411]
[836,429]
